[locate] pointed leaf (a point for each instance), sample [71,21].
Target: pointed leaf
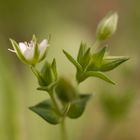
[54,68]
[41,81]
[46,111]
[72,60]
[81,51]
[83,55]
[96,60]
[48,74]
[110,63]
[78,106]
[96,74]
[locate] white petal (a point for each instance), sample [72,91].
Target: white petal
[42,48]
[43,45]
[22,47]
[28,53]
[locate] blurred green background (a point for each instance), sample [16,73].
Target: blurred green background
[69,22]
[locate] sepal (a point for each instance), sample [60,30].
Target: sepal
[48,73]
[110,63]
[83,55]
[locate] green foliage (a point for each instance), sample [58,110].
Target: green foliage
[96,60]
[48,74]
[110,63]
[78,106]
[83,56]
[94,64]
[94,74]
[47,111]
[73,61]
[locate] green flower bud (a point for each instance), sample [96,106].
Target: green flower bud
[65,91]
[107,27]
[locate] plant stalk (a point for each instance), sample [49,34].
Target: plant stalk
[63,130]
[55,103]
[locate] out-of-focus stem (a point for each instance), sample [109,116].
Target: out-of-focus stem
[55,103]
[63,130]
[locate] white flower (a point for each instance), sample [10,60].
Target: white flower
[32,52]
[107,26]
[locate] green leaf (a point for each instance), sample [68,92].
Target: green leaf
[78,106]
[46,111]
[96,60]
[72,60]
[95,74]
[83,55]
[48,73]
[41,81]
[81,51]
[54,68]
[110,63]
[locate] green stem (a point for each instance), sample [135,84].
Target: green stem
[63,130]
[55,103]
[96,44]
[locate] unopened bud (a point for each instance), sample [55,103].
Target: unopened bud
[107,27]
[65,91]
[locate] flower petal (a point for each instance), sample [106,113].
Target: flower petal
[43,45]
[22,47]
[42,48]
[28,53]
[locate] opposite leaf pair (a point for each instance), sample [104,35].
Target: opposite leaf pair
[72,103]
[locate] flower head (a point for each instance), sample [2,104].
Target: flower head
[30,52]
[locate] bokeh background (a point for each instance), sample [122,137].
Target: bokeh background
[113,113]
